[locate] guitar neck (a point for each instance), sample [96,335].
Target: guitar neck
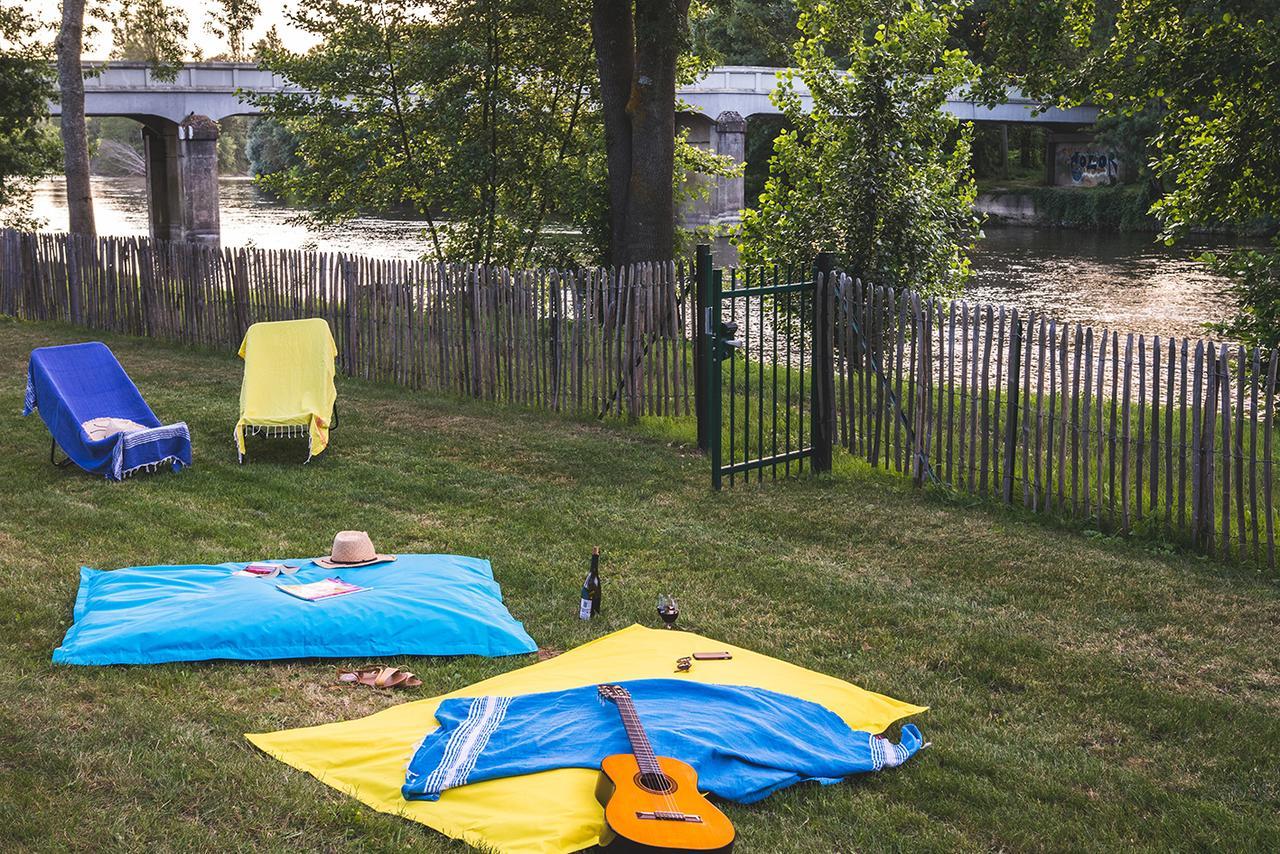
[639,739]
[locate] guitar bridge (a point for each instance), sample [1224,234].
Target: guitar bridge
[668,816]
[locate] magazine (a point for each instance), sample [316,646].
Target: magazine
[326,589]
[266,570]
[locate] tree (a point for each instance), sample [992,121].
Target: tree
[27,153]
[1205,73]
[150,30]
[637,45]
[473,114]
[270,148]
[269,42]
[75,145]
[231,20]
[876,171]
[747,32]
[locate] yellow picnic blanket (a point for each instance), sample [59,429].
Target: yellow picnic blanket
[553,812]
[288,380]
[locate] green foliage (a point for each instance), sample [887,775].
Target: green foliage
[150,30]
[475,114]
[29,149]
[233,141]
[1130,136]
[271,147]
[1255,277]
[231,20]
[1101,208]
[746,32]
[1203,74]
[1214,74]
[876,171]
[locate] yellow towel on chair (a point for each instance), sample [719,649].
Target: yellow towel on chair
[288,379]
[553,812]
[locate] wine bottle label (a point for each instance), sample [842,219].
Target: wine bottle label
[584,609]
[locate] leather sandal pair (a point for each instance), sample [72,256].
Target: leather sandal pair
[379,676]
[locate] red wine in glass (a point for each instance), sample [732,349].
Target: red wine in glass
[668,609]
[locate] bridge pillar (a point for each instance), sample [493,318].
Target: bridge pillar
[727,200]
[721,211]
[182,179]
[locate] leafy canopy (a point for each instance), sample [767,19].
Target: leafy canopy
[474,114]
[231,20]
[1205,74]
[150,30]
[1206,70]
[875,171]
[28,148]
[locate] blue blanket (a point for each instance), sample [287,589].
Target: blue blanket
[75,383]
[418,605]
[745,743]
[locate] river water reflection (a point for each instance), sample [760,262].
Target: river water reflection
[1121,281]
[249,218]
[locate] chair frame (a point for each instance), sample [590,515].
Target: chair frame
[53,449]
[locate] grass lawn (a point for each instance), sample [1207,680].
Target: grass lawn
[1086,694]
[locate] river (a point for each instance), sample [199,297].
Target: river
[1121,281]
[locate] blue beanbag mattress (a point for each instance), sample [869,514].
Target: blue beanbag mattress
[418,605]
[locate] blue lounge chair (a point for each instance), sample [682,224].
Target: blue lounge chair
[96,415]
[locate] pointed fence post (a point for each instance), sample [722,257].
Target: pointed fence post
[1011,417]
[822,390]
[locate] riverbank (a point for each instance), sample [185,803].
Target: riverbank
[1104,208]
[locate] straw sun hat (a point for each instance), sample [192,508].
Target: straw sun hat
[352,548]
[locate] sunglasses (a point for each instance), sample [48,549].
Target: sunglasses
[685,663]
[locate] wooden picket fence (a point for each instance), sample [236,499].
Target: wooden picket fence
[1172,436]
[601,341]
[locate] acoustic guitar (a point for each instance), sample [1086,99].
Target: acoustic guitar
[652,803]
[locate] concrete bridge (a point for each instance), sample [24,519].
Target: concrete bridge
[179,120]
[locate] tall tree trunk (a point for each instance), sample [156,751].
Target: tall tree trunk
[636,54]
[651,209]
[613,34]
[74,142]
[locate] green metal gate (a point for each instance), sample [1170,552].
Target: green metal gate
[765,362]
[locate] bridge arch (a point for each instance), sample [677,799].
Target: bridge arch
[180,118]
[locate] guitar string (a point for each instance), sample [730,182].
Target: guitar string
[629,714]
[666,795]
[656,773]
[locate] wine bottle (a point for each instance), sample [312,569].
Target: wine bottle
[589,604]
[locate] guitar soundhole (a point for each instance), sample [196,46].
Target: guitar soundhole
[659,784]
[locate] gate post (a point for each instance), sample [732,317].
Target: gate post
[715,385]
[822,390]
[701,301]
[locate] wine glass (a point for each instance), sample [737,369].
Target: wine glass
[668,608]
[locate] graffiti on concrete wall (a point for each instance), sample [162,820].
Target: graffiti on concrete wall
[1094,169]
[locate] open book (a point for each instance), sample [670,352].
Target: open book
[326,589]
